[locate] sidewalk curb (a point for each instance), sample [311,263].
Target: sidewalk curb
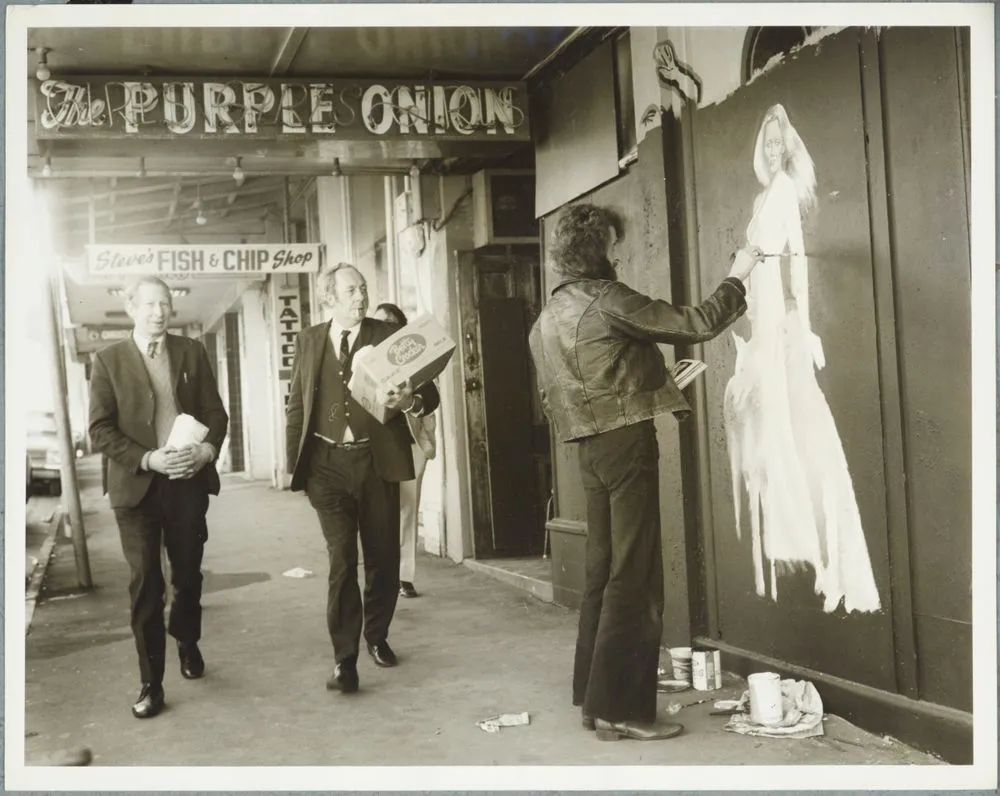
[38,573]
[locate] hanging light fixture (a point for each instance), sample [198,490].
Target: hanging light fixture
[238,174]
[142,168]
[42,72]
[47,168]
[199,219]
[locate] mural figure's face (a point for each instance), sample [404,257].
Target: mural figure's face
[774,147]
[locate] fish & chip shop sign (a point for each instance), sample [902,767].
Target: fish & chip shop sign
[375,109]
[210,261]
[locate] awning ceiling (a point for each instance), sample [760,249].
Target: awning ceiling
[470,52]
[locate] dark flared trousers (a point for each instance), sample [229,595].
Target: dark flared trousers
[621,617]
[172,514]
[351,500]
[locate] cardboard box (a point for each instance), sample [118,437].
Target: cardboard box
[419,352]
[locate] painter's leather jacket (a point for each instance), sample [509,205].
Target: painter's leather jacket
[594,348]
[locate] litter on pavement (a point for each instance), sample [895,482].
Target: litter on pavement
[298,572]
[494,723]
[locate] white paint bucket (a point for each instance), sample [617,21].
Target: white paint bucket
[702,670]
[680,658]
[765,698]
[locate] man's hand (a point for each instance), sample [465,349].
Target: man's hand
[187,461]
[158,460]
[745,261]
[397,396]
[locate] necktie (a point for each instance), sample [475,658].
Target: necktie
[151,350]
[345,349]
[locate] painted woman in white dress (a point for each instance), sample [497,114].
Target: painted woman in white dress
[783,444]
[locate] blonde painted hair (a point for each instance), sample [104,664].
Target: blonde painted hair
[797,162]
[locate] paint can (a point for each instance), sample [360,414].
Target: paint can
[765,698]
[680,659]
[703,670]
[717,659]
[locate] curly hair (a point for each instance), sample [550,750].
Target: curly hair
[580,242]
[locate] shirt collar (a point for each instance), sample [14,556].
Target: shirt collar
[143,342]
[336,330]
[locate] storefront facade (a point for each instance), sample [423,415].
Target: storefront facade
[449,217]
[888,253]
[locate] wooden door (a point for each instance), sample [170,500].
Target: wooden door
[508,456]
[821,89]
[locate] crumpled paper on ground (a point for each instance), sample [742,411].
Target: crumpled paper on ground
[495,723]
[298,572]
[802,713]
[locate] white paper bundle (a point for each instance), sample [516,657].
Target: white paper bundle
[186,431]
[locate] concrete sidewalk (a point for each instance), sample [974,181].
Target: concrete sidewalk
[469,647]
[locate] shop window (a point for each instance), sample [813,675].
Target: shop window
[762,44]
[624,95]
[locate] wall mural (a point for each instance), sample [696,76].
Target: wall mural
[674,75]
[784,447]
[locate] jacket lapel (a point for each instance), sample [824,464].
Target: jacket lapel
[315,360]
[365,334]
[133,362]
[176,359]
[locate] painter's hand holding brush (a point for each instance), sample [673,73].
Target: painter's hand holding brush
[744,261]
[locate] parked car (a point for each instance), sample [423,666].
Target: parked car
[44,459]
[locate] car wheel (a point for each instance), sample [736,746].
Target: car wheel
[55,488]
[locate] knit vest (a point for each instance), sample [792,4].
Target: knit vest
[335,407]
[165,413]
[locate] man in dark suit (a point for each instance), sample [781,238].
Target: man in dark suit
[350,466]
[159,494]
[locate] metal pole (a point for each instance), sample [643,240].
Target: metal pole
[286,212]
[70,487]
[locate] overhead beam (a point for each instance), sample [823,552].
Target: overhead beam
[138,190]
[288,50]
[236,212]
[254,190]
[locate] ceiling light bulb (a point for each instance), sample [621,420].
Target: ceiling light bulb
[200,219]
[239,176]
[42,72]
[47,168]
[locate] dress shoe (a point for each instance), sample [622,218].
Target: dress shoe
[586,720]
[150,701]
[406,589]
[637,731]
[192,664]
[343,679]
[382,654]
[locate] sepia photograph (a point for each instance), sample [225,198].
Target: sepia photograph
[426,396]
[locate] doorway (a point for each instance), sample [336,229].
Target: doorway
[499,299]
